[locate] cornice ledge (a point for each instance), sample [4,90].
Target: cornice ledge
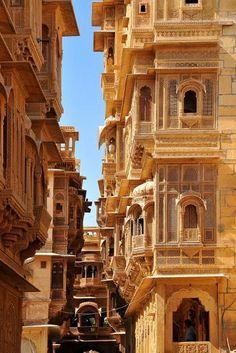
[204,23]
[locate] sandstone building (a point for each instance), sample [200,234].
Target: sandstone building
[31,34]
[47,313]
[168,201]
[89,329]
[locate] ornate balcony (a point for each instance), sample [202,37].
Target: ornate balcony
[118,267]
[89,282]
[193,347]
[42,222]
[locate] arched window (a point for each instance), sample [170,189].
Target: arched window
[190,217]
[190,102]
[143,8]
[57,275]
[138,222]
[145,101]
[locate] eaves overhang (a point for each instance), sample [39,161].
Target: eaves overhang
[149,282]
[68,15]
[34,92]
[6,24]
[99,39]
[52,129]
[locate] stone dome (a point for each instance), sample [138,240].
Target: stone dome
[144,189]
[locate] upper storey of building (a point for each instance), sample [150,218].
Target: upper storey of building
[138,37]
[31,33]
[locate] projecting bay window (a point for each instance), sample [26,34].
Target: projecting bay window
[187,203]
[144,107]
[189,102]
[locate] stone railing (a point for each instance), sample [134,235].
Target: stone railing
[191,234]
[145,127]
[192,347]
[138,241]
[170,257]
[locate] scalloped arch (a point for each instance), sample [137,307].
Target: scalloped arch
[176,298]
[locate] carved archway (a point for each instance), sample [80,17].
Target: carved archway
[206,300]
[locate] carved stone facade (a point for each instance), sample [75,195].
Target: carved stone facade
[167,205]
[47,313]
[29,134]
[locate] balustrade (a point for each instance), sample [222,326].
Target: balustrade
[191,234]
[138,241]
[179,257]
[193,347]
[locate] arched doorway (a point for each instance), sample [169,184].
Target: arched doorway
[191,310]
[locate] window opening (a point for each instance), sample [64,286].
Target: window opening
[187,2]
[143,8]
[88,319]
[89,272]
[191,313]
[190,217]
[57,276]
[190,102]
[145,103]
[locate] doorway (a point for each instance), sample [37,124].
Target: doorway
[191,309]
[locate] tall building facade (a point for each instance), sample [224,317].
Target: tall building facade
[46,314]
[168,202]
[31,34]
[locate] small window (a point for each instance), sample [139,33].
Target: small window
[145,101]
[189,2]
[143,8]
[190,102]
[43,264]
[59,207]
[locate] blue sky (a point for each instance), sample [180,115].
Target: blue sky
[82,98]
